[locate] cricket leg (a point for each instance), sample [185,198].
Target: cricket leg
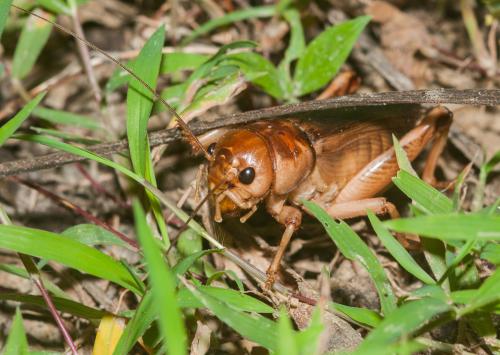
[379,206]
[442,119]
[291,218]
[343,84]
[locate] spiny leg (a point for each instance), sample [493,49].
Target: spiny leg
[442,118]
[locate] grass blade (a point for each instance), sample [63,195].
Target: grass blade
[51,246]
[62,304]
[15,122]
[66,118]
[33,38]
[451,226]
[107,336]
[402,323]
[144,315]
[287,344]
[252,326]
[353,248]
[398,251]
[427,197]
[17,343]
[162,288]
[251,12]
[325,55]
[4,14]
[360,315]
[140,100]
[486,294]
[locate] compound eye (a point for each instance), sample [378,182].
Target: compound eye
[247,176]
[211,149]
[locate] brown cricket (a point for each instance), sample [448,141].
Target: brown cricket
[341,159]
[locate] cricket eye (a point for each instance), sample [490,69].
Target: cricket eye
[211,149]
[247,175]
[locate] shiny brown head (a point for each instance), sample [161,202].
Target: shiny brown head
[241,172]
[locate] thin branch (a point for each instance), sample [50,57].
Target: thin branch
[354,102]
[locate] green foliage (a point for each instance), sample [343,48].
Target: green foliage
[15,122]
[353,248]
[4,14]
[17,343]
[162,288]
[34,36]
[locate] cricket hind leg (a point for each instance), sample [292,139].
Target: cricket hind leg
[442,118]
[379,206]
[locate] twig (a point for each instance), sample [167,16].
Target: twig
[85,56]
[344,103]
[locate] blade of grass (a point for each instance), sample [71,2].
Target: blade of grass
[359,315]
[398,251]
[17,343]
[4,14]
[33,38]
[245,14]
[486,294]
[143,317]
[62,304]
[66,118]
[15,122]
[162,288]
[287,344]
[353,248]
[450,226]
[427,197]
[66,251]
[402,323]
[107,335]
[254,327]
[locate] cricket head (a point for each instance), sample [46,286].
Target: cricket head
[241,172]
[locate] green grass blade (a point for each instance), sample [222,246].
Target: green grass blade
[66,118]
[398,251]
[488,293]
[33,38]
[15,122]
[325,55]
[90,234]
[451,226]
[162,288]
[17,343]
[254,327]
[4,14]
[245,14]
[427,197]
[491,252]
[353,248]
[360,315]
[403,161]
[402,323]
[233,298]
[62,304]
[287,344]
[178,61]
[51,246]
[140,100]
[143,317]
[259,71]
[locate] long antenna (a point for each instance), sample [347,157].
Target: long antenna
[184,127]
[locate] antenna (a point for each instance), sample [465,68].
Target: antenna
[184,127]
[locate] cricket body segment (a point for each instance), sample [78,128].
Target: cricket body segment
[341,163]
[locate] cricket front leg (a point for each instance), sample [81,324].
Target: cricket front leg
[291,218]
